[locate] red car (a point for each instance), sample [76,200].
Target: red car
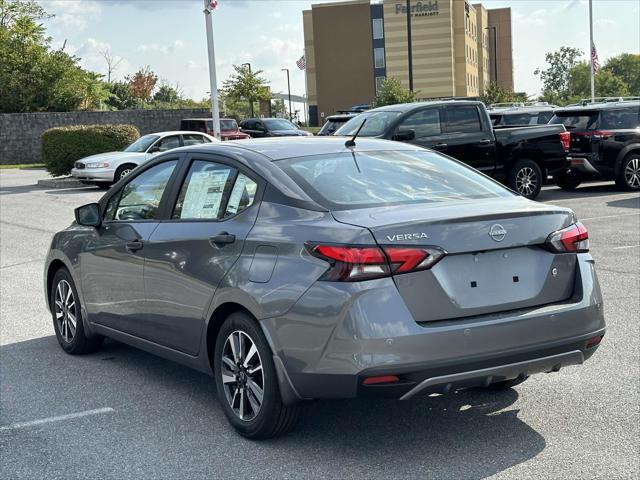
[228,127]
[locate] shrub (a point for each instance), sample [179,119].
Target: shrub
[62,146]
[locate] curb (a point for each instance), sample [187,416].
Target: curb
[60,182]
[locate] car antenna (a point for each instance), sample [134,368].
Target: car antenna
[352,142]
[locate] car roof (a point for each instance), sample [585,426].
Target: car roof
[342,116]
[203,119]
[598,106]
[174,132]
[407,107]
[290,147]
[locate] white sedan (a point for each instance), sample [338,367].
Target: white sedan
[103,169]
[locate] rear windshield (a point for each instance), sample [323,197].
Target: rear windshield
[368,179]
[576,120]
[377,123]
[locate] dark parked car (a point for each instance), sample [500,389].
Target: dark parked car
[520,157]
[299,269]
[334,122]
[535,114]
[605,143]
[271,127]
[228,127]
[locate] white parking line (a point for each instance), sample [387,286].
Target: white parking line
[33,423]
[626,246]
[610,216]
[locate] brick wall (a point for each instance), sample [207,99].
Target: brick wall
[20,132]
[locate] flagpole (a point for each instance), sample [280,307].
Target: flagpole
[215,112]
[306,92]
[593,75]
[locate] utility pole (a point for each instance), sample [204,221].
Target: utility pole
[288,90]
[215,112]
[251,99]
[591,47]
[409,45]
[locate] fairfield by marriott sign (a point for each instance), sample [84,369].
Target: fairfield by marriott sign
[419,9]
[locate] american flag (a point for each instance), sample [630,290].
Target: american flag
[594,59]
[302,63]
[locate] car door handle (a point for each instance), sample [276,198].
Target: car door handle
[440,146]
[134,246]
[485,141]
[222,238]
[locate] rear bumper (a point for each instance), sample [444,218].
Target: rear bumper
[329,342]
[93,174]
[582,166]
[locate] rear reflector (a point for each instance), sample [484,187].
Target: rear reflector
[573,239]
[355,263]
[593,341]
[380,379]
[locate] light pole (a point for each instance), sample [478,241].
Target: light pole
[495,53]
[215,112]
[248,65]
[409,46]
[288,90]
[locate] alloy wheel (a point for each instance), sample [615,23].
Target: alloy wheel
[242,375]
[526,181]
[65,308]
[632,173]
[125,172]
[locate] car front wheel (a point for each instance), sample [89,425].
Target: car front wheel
[526,178]
[246,380]
[67,316]
[629,177]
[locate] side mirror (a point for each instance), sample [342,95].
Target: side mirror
[404,135]
[88,215]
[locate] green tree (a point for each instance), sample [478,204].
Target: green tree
[555,79]
[391,92]
[167,94]
[246,87]
[495,93]
[121,97]
[606,83]
[626,67]
[32,76]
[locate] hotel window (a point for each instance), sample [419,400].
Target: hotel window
[378,57]
[379,81]
[378,29]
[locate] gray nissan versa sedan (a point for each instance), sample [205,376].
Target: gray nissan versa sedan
[295,269]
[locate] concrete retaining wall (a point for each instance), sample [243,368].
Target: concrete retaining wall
[20,132]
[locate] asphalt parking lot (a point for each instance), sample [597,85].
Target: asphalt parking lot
[127,414]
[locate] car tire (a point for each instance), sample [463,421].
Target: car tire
[568,182]
[507,383]
[244,370]
[629,176]
[67,316]
[123,171]
[526,178]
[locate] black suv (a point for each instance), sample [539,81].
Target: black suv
[271,127]
[334,122]
[521,114]
[605,142]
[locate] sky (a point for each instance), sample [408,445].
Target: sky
[169,36]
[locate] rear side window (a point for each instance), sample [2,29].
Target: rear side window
[192,139]
[577,120]
[516,119]
[425,123]
[463,119]
[368,179]
[624,118]
[544,117]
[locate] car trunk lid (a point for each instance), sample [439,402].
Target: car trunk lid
[494,262]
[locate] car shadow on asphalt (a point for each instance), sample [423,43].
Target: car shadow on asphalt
[15,189]
[469,434]
[586,190]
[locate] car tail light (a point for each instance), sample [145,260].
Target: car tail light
[380,380]
[355,263]
[573,239]
[565,139]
